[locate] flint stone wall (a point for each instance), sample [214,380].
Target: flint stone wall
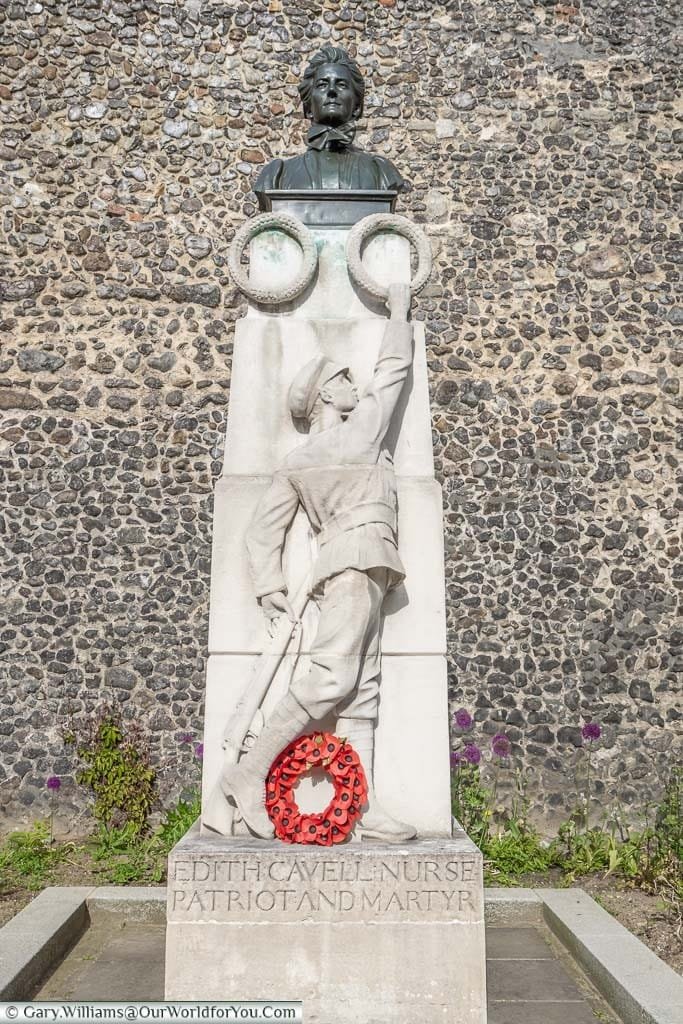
[540,141]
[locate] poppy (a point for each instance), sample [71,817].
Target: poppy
[340,816]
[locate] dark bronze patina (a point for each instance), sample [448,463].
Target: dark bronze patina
[332,92]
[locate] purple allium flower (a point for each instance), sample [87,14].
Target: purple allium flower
[456,758]
[472,753]
[591,731]
[199,751]
[53,783]
[185,737]
[463,719]
[500,745]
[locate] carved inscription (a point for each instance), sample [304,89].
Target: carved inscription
[296,887]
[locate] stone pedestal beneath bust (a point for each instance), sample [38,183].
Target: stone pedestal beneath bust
[334,317]
[366,932]
[360,931]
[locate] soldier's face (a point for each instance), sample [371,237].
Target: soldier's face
[341,393]
[333,97]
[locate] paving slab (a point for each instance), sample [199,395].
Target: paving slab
[531,981]
[517,944]
[120,980]
[119,961]
[542,1013]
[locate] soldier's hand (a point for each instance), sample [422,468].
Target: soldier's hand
[398,301]
[273,606]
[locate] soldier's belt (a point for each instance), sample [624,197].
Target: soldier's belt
[362,515]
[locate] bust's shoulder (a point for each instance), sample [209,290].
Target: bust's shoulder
[389,172]
[380,168]
[284,173]
[268,176]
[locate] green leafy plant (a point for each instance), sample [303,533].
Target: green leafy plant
[514,852]
[660,865]
[471,802]
[511,845]
[650,858]
[177,821]
[116,769]
[515,848]
[580,852]
[30,857]
[124,856]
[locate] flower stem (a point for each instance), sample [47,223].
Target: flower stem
[588,785]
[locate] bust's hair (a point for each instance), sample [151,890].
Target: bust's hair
[331,55]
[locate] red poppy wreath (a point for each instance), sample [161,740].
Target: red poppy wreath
[341,762]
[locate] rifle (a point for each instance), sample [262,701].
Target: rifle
[218,815]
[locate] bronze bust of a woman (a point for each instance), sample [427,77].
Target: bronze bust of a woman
[332,92]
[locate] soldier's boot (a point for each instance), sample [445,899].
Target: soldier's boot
[245,782]
[375,823]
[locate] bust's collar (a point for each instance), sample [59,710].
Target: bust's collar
[325,136]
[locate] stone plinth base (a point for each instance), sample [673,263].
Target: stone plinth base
[365,932]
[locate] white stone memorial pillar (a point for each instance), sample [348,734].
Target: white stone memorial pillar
[363,931]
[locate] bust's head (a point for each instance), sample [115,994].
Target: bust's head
[332,88]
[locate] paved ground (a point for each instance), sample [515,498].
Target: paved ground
[113,961]
[530,978]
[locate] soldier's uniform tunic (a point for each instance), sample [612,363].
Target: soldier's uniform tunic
[344,479]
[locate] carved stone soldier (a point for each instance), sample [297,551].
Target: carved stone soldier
[343,477]
[332,92]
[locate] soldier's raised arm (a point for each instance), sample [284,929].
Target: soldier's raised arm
[377,406]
